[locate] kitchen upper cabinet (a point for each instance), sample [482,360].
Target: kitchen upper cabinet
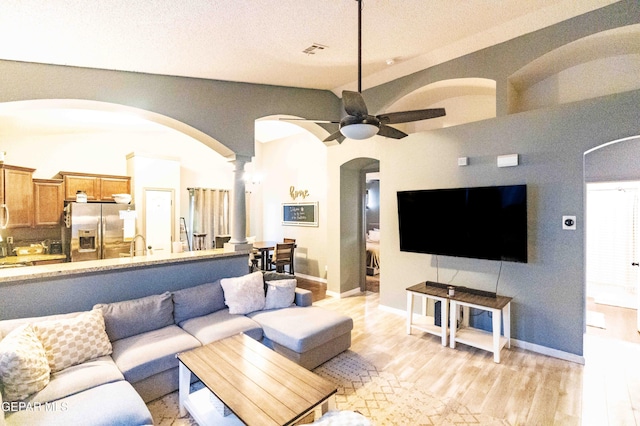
[97,187]
[114,185]
[48,200]
[16,193]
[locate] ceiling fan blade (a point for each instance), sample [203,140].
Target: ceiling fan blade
[311,121]
[354,103]
[407,116]
[390,132]
[335,136]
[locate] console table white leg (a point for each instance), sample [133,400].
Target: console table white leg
[184,382]
[409,311]
[496,323]
[453,308]
[506,322]
[444,315]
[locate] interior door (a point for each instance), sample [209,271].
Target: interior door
[159,214]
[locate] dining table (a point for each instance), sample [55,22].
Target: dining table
[264,248]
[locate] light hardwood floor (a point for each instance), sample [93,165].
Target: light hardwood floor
[526,388]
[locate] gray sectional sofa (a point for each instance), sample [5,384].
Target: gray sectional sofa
[145,335]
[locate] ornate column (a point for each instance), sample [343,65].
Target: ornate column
[238,219]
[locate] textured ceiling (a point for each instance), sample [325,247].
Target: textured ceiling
[263,41]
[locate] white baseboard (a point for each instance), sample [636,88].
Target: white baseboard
[349,293]
[543,350]
[532,347]
[311,278]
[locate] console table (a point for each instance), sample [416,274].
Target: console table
[499,306]
[424,322]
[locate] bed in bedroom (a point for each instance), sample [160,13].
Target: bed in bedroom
[373,252]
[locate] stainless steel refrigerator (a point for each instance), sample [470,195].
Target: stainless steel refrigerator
[98,230]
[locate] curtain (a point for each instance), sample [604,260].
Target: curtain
[208,214]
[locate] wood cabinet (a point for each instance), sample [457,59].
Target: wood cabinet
[16,192]
[97,187]
[110,185]
[48,200]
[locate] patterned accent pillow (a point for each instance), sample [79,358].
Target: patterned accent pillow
[280,293]
[71,341]
[24,368]
[244,294]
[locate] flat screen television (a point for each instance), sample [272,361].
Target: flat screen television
[480,222]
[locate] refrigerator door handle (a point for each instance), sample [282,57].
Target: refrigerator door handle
[6,216]
[103,234]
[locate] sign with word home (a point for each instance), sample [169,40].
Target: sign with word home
[300,214]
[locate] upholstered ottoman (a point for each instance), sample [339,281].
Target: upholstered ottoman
[309,335]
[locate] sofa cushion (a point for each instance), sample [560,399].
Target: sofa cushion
[302,329]
[244,294]
[146,354]
[73,340]
[7,325]
[219,325]
[78,378]
[115,403]
[24,368]
[280,293]
[132,317]
[197,301]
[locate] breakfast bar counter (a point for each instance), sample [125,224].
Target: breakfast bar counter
[12,275]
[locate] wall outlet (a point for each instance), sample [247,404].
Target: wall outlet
[9,240]
[569,223]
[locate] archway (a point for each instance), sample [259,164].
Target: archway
[352,223]
[465,99]
[597,65]
[611,282]
[77,110]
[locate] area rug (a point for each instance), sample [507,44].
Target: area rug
[596,319]
[386,400]
[380,396]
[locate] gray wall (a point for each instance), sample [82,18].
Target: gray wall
[549,290]
[80,292]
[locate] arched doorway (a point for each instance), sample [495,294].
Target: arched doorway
[353,223]
[611,284]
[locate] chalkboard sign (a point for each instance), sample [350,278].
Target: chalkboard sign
[300,214]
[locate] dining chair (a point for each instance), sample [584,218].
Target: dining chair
[254,256]
[283,256]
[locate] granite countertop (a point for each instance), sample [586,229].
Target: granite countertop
[28,258]
[11,275]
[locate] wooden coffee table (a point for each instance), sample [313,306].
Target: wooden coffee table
[257,385]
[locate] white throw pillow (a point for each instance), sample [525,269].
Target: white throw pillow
[244,294]
[71,341]
[24,368]
[280,293]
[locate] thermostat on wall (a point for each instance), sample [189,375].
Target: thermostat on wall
[569,223]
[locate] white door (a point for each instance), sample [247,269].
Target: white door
[159,215]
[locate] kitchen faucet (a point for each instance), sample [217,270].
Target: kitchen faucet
[132,250]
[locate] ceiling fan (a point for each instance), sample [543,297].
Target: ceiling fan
[359,124]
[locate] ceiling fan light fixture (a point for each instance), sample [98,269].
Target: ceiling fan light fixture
[359,131]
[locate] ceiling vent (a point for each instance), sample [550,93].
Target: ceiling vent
[311,50]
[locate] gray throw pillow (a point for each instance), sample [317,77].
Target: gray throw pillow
[197,301]
[280,293]
[131,317]
[244,294]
